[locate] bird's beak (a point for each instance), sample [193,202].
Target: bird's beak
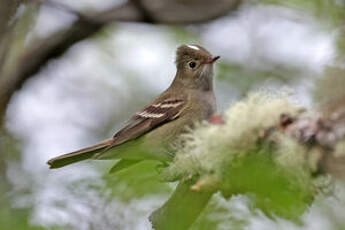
[211,60]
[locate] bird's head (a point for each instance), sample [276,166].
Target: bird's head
[194,66]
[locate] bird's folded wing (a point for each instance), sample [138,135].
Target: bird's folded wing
[149,118]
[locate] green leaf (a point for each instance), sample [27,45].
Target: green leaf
[122,164]
[136,181]
[182,208]
[273,189]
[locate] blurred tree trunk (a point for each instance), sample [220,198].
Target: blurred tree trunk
[8,9]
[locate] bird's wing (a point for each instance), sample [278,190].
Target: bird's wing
[149,118]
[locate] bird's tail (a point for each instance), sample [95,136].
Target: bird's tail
[79,155]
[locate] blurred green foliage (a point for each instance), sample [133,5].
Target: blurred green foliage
[15,219]
[245,79]
[329,11]
[183,35]
[11,218]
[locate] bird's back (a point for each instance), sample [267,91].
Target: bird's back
[199,106]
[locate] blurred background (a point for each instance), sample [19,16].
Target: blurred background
[71,72]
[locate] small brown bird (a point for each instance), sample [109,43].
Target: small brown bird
[150,133]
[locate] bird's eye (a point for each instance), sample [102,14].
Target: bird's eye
[192,64]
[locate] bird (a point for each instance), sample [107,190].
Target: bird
[151,132]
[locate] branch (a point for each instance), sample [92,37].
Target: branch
[7,10]
[264,147]
[13,76]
